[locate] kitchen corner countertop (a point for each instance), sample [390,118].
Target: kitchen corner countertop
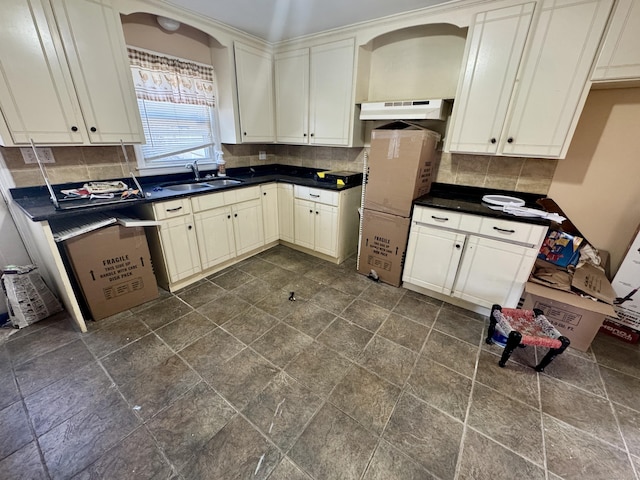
[37,205]
[467,199]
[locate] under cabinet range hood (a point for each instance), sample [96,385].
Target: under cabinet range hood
[405,110]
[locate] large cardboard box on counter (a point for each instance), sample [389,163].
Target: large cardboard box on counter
[402,162]
[383,245]
[113,268]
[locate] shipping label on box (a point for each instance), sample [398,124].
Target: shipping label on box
[383,245]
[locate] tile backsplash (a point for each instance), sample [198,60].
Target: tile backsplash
[76,164]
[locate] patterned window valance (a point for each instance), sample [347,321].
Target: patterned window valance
[166,79]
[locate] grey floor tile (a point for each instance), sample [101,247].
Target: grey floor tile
[451,352]
[428,436]
[163,312]
[383,295]
[323,274]
[333,300]
[577,371]
[276,277]
[83,438]
[255,290]
[483,459]
[281,344]
[56,335]
[137,456]
[351,282]
[236,451]
[23,464]
[346,338]
[390,463]
[387,359]
[241,378]
[365,397]
[190,422]
[507,421]
[211,351]
[183,332]
[8,386]
[277,304]
[514,380]
[319,368]
[154,389]
[440,387]
[201,294]
[224,308]
[283,409]
[421,312]
[115,335]
[255,266]
[524,356]
[594,415]
[404,332]
[287,470]
[460,326]
[15,429]
[365,314]
[59,401]
[250,325]
[573,455]
[309,318]
[622,388]
[616,355]
[424,298]
[303,287]
[232,279]
[333,446]
[629,421]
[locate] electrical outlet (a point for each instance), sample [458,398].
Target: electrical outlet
[262,155]
[44,154]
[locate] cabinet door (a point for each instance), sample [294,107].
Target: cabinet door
[214,230]
[331,85]
[270,212]
[552,80]
[433,257]
[247,226]
[37,95]
[94,43]
[326,229]
[620,55]
[492,58]
[304,223]
[493,272]
[254,71]
[180,247]
[292,96]
[285,212]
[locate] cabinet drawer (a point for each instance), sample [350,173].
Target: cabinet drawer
[241,195]
[327,197]
[437,217]
[512,231]
[207,202]
[172,208]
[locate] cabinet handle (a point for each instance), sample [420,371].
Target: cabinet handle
[504,230]
[493,140]
[458,246]
[442,219]
[317,213]
[190,227]
[74,128]
[174,209]
[93,129]
[314,196]
[510,140]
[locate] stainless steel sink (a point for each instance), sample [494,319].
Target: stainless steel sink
[188,187]
[220,182]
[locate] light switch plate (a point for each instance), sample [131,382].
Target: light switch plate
[44,154]
[262,155]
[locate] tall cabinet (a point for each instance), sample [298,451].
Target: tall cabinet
[525,71]
[66,74]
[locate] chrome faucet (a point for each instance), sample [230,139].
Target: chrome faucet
[194,168]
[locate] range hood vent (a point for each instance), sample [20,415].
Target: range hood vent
[404,110]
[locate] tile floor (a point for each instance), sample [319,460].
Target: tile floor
[229,379]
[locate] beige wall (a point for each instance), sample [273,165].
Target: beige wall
[598,183]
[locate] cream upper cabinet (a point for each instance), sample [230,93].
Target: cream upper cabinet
[67,77]
[314,94]
[254,77]
[545,96]
[619,57]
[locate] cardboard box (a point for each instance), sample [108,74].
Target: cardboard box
[576,317]
[383,245]
[113,268]
[561,248]
[613,328]
[402,162]
[626,284]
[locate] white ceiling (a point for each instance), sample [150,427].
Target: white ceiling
[277,20]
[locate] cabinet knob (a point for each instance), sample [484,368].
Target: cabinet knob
[310,211]
[190,227]
[311,135]
[304,134]
[264,193]
[93,129]
[458,246]
[317,213]
[235,214]
[493,140]
[74,128]
[244,133]
[228,216]
[510,140]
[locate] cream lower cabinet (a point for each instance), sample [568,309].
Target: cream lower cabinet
[247,226]
[285,212]
[270,212]
[480,260]
[214,229]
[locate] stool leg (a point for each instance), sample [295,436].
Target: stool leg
[512,342]
[553,353]
[492,324]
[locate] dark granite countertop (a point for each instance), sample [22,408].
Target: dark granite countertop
[37,205]
[469,200]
